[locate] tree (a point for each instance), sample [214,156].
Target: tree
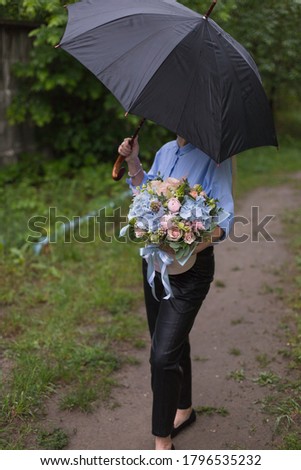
[271,32]
[76,116]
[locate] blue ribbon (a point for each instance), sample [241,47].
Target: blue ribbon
[152,253]
[123,231]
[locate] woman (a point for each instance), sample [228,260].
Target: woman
[170,321]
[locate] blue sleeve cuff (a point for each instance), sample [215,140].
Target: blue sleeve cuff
[144,181]
[226,225]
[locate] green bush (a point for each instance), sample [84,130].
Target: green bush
[73,112]
[77,117]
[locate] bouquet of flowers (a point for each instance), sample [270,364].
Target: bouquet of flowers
[170,214]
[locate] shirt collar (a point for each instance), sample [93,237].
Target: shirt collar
[183,150]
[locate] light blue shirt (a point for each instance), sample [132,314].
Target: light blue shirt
[190,162]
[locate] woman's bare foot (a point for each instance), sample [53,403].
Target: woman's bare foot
[182,416]
[163,443]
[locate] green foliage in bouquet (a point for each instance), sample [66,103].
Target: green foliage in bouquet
[172,215]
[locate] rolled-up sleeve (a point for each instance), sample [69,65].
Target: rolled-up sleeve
[153,173]
[144,181]
[219,186]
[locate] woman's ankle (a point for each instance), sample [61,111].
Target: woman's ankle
[163,443]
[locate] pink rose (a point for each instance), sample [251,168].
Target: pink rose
[198,226]
[139,233]
[174,205]
[174,234]
[173,182]
[166,222]
[189,237]
[168,187]
[156,186]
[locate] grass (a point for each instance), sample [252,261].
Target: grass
[267,378]
[64,331]
[293,224]
[284,403]
[211,410]
[237,321]
[287,412]
[219,283]
[66,314]
[237,375]
[267,166]
[263,360]
[56,439]
[291,441]
[235,351]
[200,358]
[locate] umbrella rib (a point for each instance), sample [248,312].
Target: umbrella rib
[138,44]
[229,39]
[141,42]
[238,51]
[62,43]
[235,73]
[220,82]
[191,85]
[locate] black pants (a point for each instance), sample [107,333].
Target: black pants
[170,322]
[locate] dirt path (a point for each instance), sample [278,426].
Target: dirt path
[242,311]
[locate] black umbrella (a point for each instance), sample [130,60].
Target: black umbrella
[176,67]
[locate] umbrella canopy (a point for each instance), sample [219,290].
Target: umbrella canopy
[176,67]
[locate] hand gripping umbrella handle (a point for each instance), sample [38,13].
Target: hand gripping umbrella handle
[118,172]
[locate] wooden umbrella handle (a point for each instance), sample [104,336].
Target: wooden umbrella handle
[118,171]
[214,2]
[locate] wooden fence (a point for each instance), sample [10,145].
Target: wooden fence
[15,46]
